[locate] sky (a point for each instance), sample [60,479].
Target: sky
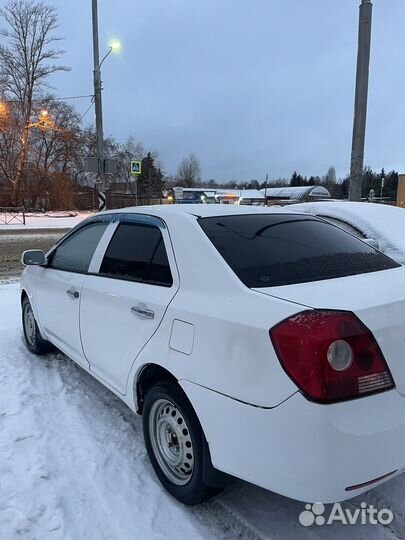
[251,87]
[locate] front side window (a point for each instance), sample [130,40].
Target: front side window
[75,253]
[267,250]
[137,253]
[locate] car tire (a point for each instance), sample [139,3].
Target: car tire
[176,444]
[32,336]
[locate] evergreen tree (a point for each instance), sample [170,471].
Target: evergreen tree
[150,181]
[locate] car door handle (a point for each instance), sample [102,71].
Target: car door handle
[72,293]
[142,311]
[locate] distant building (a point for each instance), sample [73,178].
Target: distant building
[203,195]
[288,194]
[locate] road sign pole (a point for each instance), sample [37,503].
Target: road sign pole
[136,169]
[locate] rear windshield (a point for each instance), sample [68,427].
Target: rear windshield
[266,250]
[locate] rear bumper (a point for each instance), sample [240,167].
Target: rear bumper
[304,450]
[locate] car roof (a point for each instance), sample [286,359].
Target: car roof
[198,210]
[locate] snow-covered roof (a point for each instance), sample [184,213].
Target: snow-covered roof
[296,192]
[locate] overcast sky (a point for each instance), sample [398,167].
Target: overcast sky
[249,86]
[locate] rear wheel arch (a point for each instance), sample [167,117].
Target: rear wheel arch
[149,375]
[152,375]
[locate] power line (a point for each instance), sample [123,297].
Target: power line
[41,100]
[87,110]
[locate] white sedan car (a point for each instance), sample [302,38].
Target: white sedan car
[256,343]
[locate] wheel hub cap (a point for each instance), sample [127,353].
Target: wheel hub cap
[29,324]
[171,442]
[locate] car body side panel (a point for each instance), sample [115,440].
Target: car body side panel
[232,351]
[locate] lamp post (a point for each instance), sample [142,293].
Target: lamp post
[101,184]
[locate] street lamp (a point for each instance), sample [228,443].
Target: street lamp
[114,46]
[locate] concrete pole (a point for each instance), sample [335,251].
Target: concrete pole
[97,102]
[360,103]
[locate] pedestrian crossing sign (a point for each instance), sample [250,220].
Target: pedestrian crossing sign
[136,167]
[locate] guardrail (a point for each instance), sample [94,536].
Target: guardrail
[12,214]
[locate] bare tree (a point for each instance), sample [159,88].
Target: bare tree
[329,180]
[26,62]
[189,172]
[10,139]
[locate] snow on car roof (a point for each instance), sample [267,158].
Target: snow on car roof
[384,223]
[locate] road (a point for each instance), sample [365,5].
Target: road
[14,242]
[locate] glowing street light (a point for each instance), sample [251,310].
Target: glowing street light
[115,45]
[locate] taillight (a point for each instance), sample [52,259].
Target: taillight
[330,355]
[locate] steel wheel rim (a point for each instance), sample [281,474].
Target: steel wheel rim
[171,442]
[29,325]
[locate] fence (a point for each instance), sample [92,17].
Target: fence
[12,214]
[88,200]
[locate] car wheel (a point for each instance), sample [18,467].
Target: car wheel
[33,339]
[175,443]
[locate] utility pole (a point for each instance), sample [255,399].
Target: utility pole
[360,102]
[99,111]
[149,180]
[382,188]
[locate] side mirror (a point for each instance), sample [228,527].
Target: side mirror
[372,242]
[33,257]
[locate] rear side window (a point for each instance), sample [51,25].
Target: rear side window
[75,253]
[137,253]
[267,250]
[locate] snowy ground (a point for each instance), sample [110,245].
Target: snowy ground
[73,466]
[53,220]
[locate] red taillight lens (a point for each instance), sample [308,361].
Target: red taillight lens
[330,355]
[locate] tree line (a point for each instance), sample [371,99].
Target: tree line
[338,187]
